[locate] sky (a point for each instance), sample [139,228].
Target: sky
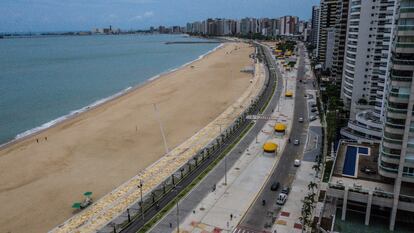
[67,15]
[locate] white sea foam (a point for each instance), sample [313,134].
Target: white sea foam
[99,102]
[71,114]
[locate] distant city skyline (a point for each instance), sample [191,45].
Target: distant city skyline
[58,15]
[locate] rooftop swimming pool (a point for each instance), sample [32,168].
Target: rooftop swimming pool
[351,160]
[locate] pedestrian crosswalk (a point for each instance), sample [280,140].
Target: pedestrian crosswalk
[240,229]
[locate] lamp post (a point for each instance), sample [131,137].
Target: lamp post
[140,190]
[225,170]
[178,218]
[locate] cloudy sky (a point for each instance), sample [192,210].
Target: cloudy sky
[63,15]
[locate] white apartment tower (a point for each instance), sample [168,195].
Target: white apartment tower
[396,159]
[366,65]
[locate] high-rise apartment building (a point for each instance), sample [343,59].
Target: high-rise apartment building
[330,44]
[314,40]
[288,25]
[366,65]
[327,21]
[340,40]
[397,145]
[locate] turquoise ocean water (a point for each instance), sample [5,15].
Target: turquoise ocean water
[44,80]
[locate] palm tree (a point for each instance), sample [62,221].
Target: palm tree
[316,167]
[312,185]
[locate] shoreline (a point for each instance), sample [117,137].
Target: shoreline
[105,212]
[98,103]
[101,149]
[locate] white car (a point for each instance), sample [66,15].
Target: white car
[281,199]
[296,142]
[300,119]
[296,163]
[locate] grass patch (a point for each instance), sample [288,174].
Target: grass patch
[327,171]
[268,101]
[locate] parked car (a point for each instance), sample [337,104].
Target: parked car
[314,109]
[275,186]
[368,170]
[296,142]
[314,105]
[286,190]
[300,119]
[296,163]
[281,199]
[312,118]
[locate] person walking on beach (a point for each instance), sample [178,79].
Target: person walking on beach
[45,138]
[37,140]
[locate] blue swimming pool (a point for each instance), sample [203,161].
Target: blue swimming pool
[363,150]
[350,161]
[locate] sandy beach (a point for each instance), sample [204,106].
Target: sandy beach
[41,176]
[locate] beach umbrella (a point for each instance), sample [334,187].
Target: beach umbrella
[76,205]
[88,194]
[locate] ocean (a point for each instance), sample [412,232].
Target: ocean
[45,80]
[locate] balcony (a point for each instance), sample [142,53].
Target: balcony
[404,45]
[368,118]
[407,10]
[365,129]
[406,62]
[386,172]
[358,136]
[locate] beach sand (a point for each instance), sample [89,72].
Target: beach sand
[102,148]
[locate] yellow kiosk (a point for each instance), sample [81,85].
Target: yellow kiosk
[270,147]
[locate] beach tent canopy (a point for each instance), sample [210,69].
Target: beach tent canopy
[76,205]
[270,147]
[289,94]
[280,127]
[87,194]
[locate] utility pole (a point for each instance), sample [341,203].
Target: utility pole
[161,128]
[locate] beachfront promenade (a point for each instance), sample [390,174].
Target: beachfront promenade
[238,205]
[268,91]
[126,197]
[206,209]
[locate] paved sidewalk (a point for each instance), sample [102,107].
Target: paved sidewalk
[288,218]
[223,208]
[215,178]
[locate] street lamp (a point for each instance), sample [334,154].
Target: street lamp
[178,218]
[140,188]
[178,211]
[225,170]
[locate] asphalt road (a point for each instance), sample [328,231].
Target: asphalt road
[192,199]
[258,216]
[190,202]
